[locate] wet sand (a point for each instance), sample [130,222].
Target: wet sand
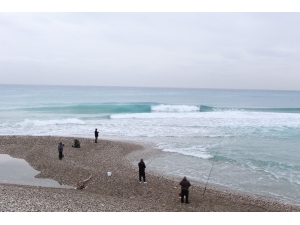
[121,192]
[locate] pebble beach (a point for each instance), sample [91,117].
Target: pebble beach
[121,192]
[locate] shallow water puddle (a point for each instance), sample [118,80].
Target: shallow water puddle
[18,171]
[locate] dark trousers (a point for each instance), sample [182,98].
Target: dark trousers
[186,194]
[60,155]
[96,138]
[142,174]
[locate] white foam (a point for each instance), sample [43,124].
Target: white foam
[175,108]
[196,151]
[228,118]
[38,123]
[155,115]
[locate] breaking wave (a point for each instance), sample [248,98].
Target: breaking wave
[204,108]
[118,108]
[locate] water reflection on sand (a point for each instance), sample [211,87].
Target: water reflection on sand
[18,171]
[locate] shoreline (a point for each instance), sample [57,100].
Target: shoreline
[159,153]
[120,192]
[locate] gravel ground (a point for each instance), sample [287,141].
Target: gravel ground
[121,192]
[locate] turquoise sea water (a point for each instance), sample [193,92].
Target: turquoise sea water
[252,135]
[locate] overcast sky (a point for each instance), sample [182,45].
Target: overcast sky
[190,50]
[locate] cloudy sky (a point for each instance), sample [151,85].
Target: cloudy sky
[152,49]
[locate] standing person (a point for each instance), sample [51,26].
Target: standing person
[96,135]
[142,168]
[185,184]
[60,150]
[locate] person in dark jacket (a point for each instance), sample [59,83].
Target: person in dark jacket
[142,168]
[96,135]
[185,184]
[60,150]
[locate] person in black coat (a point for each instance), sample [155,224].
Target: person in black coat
[60,150]
[142,168]
[96,135]
[185,184]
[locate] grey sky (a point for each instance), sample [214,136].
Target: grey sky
[191,50]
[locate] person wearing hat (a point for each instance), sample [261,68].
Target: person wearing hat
[185,184]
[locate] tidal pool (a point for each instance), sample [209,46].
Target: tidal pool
[18,171]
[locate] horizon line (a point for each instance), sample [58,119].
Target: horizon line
[111,86]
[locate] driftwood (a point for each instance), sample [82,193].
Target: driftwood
[82,184]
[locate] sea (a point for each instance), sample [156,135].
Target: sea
[241,140]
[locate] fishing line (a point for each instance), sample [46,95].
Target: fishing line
[160,158]
[210,171]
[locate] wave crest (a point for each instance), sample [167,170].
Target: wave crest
[95,109]
[174,108]
[204,108]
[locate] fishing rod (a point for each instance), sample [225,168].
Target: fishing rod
[210,171]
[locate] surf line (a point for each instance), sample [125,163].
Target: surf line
[162,157]
[210,171]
